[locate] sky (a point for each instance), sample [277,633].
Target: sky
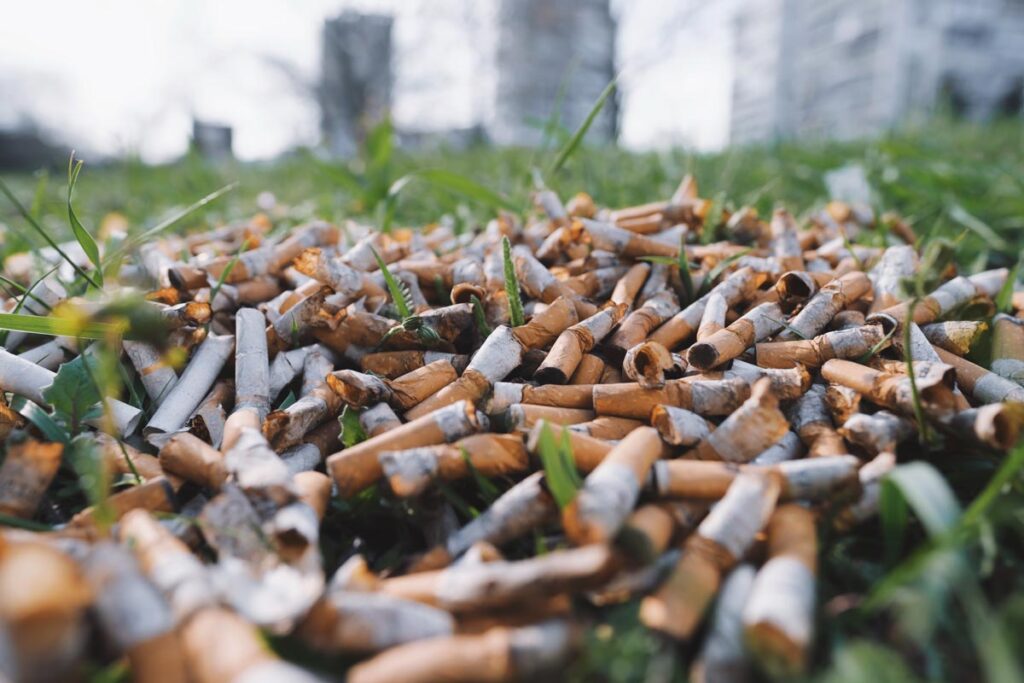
[113,77]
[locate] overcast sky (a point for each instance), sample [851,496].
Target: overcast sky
[116,76]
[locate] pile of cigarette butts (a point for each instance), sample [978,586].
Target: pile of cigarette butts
[712,411]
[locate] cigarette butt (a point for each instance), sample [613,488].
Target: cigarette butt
[378,419]
[198,377]
[705,397]
[638,325]
[134,615]
[539,283]
[402,393]
[589,371]
[866,506]
[157,378]
[646,363]
[680,427]
[562,396]
[288,427]
[409,472]
[713,320]
[498,655]
[625,242]
[982,385]
[219,645]
[313,489]
[789,447]
[609,493]
[880,432]
[468,587]
[786,383]
[1007,348]
[724,536]
[607,427]
[843,402]
[955,336]
[778,619]
[893,391]
[849,344]
[723,656]
[818,478]
[155,495]
[207,422]
[336,274]
[392,364]
[823,306]
[25,475]
[194,460]
[810,418]
[753,426]
[587,451]
[523,416]
[944,299]
[797,286]
[896,264]
[759,323]
[738,286]
[996,425]
[170,565]
[349,621]
[43,598]
[693,479]
[628,286]
[355,468]
[572,345]
[121,458]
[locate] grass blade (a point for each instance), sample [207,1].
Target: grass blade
[479,318]
[85,240]
[515,303]
[23,212]
[560,475]
[684,273]
[59,327]
[574,142]
[226,273]
[928,495]
[399,292]
[1004,299]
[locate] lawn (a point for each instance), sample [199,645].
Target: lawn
[932,590]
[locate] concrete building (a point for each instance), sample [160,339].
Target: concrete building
[552,51]
[355,78]
[851,68]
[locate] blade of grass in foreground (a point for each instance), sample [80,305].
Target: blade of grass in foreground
[85,240]
[58,327]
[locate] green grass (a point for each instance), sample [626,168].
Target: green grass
[902,598]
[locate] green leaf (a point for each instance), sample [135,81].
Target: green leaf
[74,394]
[85,240]
[400,294]
[43,233]
[58,327]
[1007,471]
[478,316]
[928,495]
[351,431]
[574,142]
[287,400]
[1004,299]
[40,418]
[488,490]
[560,475]
[982,229]
[661,260]
[25,296]
[892,512]
[91,469]
[515,303]
[863,660]
[445,180]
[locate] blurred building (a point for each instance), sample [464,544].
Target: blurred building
[212,141]
[355,78]
[851,68]
[552,53]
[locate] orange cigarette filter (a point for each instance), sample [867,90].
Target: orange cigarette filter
[409,472]
[848,344]
[706,397]
[26,473]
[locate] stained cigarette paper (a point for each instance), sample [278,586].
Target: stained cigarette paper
[378,419]
[789,447]
[522,416]
[984,386]
[755,425]
[866,506]
[157,378]
[955,336]
[606,427]
[996,425]
[134,615]
[896,264]
[810,418]
[498,655]
[26,473]
[409,472]
[286,428]
[355,468]
[948,296]
[832,298]
[252,375]
[723,657]
[207,422]
[893,391]
[705,397]
[786,383]
[570,347]
[778,619]
[1007,348]
[628,286]
[506,394]
[360,390]
[197,378]
[350,621]
[392,364]
[636,326]
[679,426]
[609,492]
[877,433]
[849,344]
[646,363]
[194,460]
[728,343]
[724,536]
